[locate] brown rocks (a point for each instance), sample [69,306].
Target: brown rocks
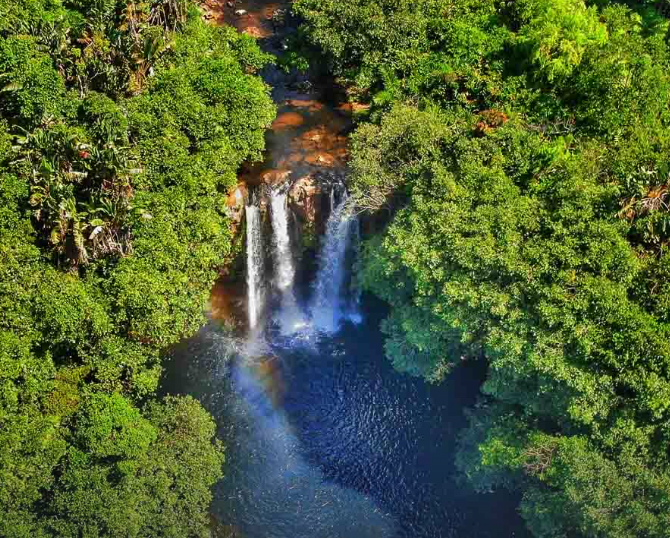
[304,199]
[275,177]
[226,302]
[235,203]
[321,159]
[253,31]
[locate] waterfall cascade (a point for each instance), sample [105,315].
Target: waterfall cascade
[289,316]
[255,265]
[330,296]
[355,289]
[332,299]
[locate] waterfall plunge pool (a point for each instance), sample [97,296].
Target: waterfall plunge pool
[325,440]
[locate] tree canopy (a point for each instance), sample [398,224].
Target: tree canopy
[122,125]
[521,153]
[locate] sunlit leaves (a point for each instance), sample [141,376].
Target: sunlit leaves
[558,33]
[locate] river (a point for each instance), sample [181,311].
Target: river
[324,439]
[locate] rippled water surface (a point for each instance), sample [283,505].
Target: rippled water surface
[325,440]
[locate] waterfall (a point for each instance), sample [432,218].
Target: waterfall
[356,288]
[330,295]
[289,315]
[254,265]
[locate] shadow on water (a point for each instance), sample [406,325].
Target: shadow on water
[325,440]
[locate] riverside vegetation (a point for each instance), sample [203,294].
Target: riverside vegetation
[122,126]
[519,152]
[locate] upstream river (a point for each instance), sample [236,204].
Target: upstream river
[323,438]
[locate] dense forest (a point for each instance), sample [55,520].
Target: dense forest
[513,166]
[519,154]
[122,126]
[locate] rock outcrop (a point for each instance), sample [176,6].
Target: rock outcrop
[275,177]
[237,199]
[304,199]
[309,201]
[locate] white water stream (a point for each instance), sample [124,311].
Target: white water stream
[289,316]
[331,300]
[255,266]
[329,305]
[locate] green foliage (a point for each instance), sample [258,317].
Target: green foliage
[558,33]
[105,119]
[122,126]
[32,88]
[357,35]
[520,157]
[510,248]
[570,487]
[127,475]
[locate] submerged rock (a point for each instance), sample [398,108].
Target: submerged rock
[217,529]
[253,31]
